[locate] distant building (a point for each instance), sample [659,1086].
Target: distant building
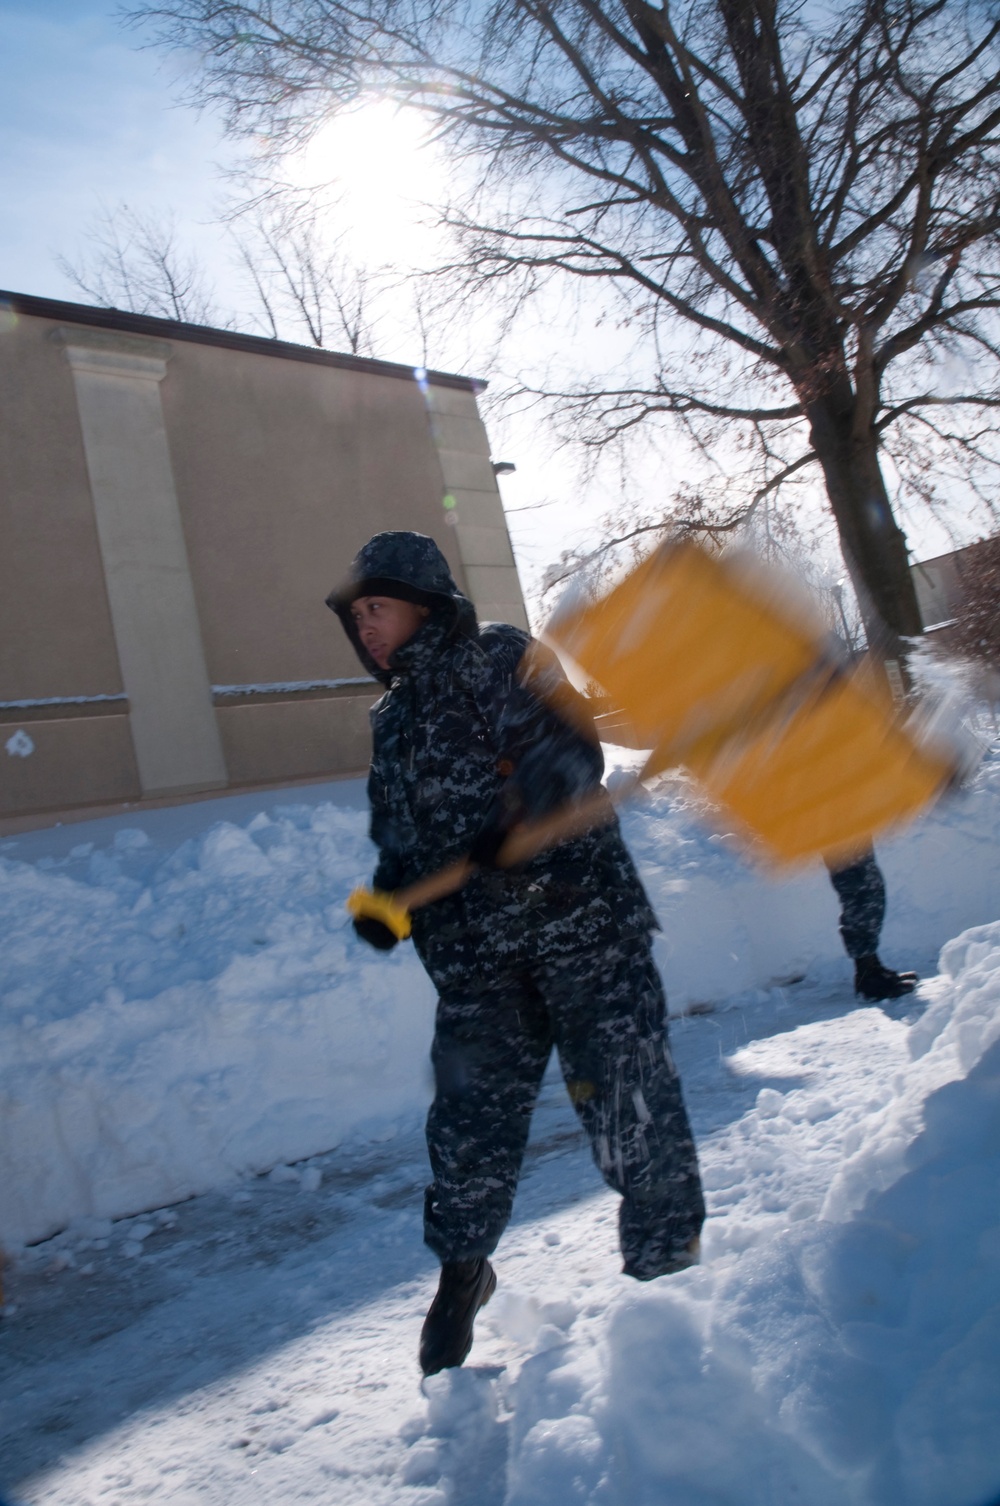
[939,588]
[175,504]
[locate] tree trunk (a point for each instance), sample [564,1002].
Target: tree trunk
[873,545]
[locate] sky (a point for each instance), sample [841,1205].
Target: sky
[90,120]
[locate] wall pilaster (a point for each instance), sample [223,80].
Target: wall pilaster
[151,596]
[472,499]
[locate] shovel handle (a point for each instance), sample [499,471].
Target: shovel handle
[522,843]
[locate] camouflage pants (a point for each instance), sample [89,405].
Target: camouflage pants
[605,1014]
[861,891]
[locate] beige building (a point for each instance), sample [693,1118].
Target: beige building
[175,504]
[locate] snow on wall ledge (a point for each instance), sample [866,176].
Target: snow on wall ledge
[180,1009]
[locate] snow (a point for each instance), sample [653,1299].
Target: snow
[186,1020]
[270,687]
[61,700]
[853,1355]
[184,1000]
[19,744]
[175,1016]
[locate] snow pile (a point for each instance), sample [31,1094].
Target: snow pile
[181,1008]
[852,1359]
[173,1018]
[728,928]
[837,1347]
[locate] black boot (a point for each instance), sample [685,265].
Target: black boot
[681,1258]
[446,1337]
[873,981]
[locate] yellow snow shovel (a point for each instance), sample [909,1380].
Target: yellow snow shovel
[713,667]
[716,668]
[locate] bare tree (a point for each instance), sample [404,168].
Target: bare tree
[976,631]
[302,282]
[301,273]
[134,260]
[810,191]
[799,548]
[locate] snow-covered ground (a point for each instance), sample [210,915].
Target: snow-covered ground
[182,1007]
[183,999]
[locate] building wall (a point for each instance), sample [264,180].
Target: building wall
[283,470]
[175,506]
[56,637]
[938,584]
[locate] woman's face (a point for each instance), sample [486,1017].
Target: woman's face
[384,623]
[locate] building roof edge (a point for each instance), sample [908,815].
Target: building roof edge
[226,339]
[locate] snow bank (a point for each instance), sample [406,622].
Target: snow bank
[183,1001]
[728,928]
[172,1018]
[852,1359]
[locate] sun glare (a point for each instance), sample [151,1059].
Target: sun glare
[380,165]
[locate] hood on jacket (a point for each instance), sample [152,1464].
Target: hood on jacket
[411,567]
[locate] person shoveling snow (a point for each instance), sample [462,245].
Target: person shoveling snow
[556,953]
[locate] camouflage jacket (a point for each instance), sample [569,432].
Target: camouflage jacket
[454,731]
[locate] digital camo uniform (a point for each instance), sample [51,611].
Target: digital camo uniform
[556,953]
[861,890]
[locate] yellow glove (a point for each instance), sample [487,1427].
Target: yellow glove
[376,904]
